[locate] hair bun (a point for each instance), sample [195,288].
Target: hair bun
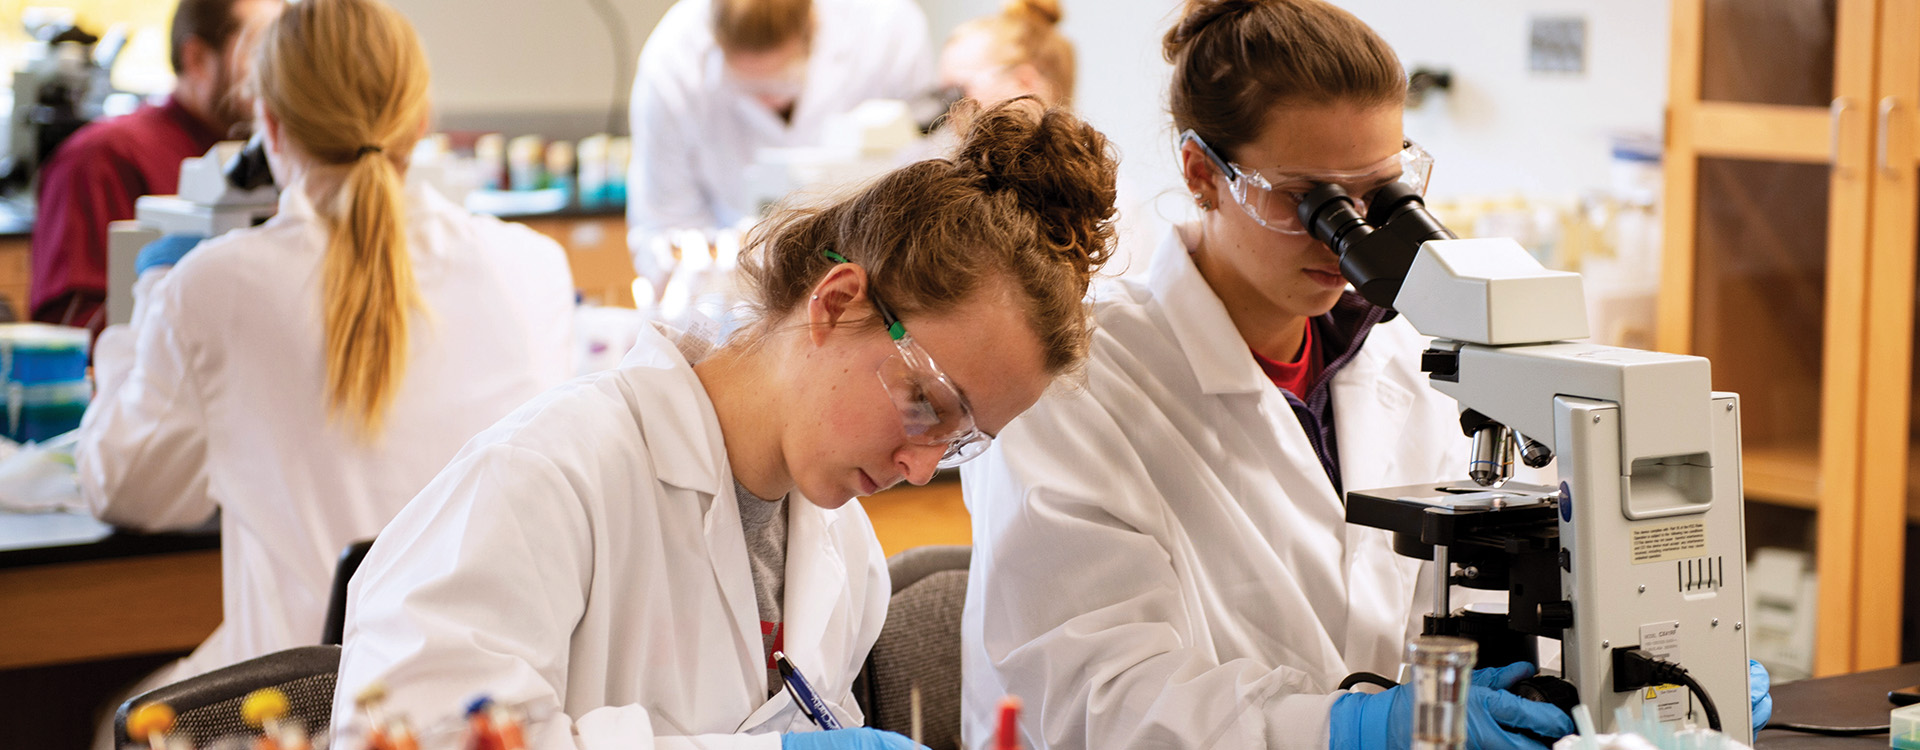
[1198,16]
[1052,163]
[1045,12]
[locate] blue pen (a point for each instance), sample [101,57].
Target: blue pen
[809,701]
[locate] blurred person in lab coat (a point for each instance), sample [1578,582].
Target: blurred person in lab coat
[721,79]
[1018,51]
[94,177]
[624,554]
[1163,560]
[308,376]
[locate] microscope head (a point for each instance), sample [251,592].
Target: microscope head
[1375,250]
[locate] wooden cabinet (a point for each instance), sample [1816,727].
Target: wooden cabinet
[1889,478]
[597,250]
[15,279]
[1789,262]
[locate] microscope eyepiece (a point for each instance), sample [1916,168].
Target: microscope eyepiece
[1330,216]
[1390,200]
[1375,250]
[248,169]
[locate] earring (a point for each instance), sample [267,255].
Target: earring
[1204,204]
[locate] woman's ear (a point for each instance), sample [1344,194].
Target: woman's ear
[839,298]
[268,128]
[1198,172]
[267,125]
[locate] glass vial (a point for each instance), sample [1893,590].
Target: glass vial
[1441,675]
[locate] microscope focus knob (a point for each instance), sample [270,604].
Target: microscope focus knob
[1556,615]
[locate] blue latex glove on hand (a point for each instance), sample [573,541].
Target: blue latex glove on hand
[858,738]
[1384,721]
[1759,694]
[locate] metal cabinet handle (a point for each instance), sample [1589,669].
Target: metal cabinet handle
[1887,107]
[1837,113]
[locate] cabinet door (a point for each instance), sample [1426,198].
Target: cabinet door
[1764,274]
[1888,631]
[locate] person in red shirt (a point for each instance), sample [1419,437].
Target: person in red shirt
[95,176]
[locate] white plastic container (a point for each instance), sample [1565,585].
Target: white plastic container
[1904,728]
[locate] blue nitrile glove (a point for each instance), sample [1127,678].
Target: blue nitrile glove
[858,738]
[1492,712]
[1384,721]
[1759,694]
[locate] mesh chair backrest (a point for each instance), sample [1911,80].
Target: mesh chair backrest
[207,707]
[920,645]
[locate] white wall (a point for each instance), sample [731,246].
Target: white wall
[527,60]
[1501,129]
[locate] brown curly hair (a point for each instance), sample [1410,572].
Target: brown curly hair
[1235,60]
[1028,195]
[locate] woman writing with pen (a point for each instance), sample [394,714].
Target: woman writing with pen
[625,554]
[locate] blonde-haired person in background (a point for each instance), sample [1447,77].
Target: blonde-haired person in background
[721,79]
[1016,52]
[308,376]
[623,555]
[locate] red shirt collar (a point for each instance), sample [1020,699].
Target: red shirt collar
[1298,376]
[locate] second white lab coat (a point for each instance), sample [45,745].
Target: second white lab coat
[695,134]
[585,558]
[215,397]
[1159,558]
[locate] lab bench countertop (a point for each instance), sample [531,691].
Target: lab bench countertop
[16,222]
[1858,699]
[28,539]
[91,592]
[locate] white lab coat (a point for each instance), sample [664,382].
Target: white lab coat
[695,133]
[215,396]
[585,556]
[1159,558]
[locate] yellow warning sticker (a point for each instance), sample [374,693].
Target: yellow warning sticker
[1674,541]
[1665,703]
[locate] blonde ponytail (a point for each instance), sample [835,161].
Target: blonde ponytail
[369,289]
[347,80]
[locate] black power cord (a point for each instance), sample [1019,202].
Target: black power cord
[1368,678]
[1830,731]
[1634,669]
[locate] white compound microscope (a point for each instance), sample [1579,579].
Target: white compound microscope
[1636,560]
[228,188]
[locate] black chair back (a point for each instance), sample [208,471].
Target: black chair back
[334,631]
[207,707]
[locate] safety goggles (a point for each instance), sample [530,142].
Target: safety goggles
[1272,196]
[786,85]
[931,407]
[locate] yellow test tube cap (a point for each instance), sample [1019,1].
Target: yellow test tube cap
[148,720]
[372,694]
[262,706]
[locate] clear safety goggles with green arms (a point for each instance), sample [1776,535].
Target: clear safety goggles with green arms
[1272,196]
[932,408]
